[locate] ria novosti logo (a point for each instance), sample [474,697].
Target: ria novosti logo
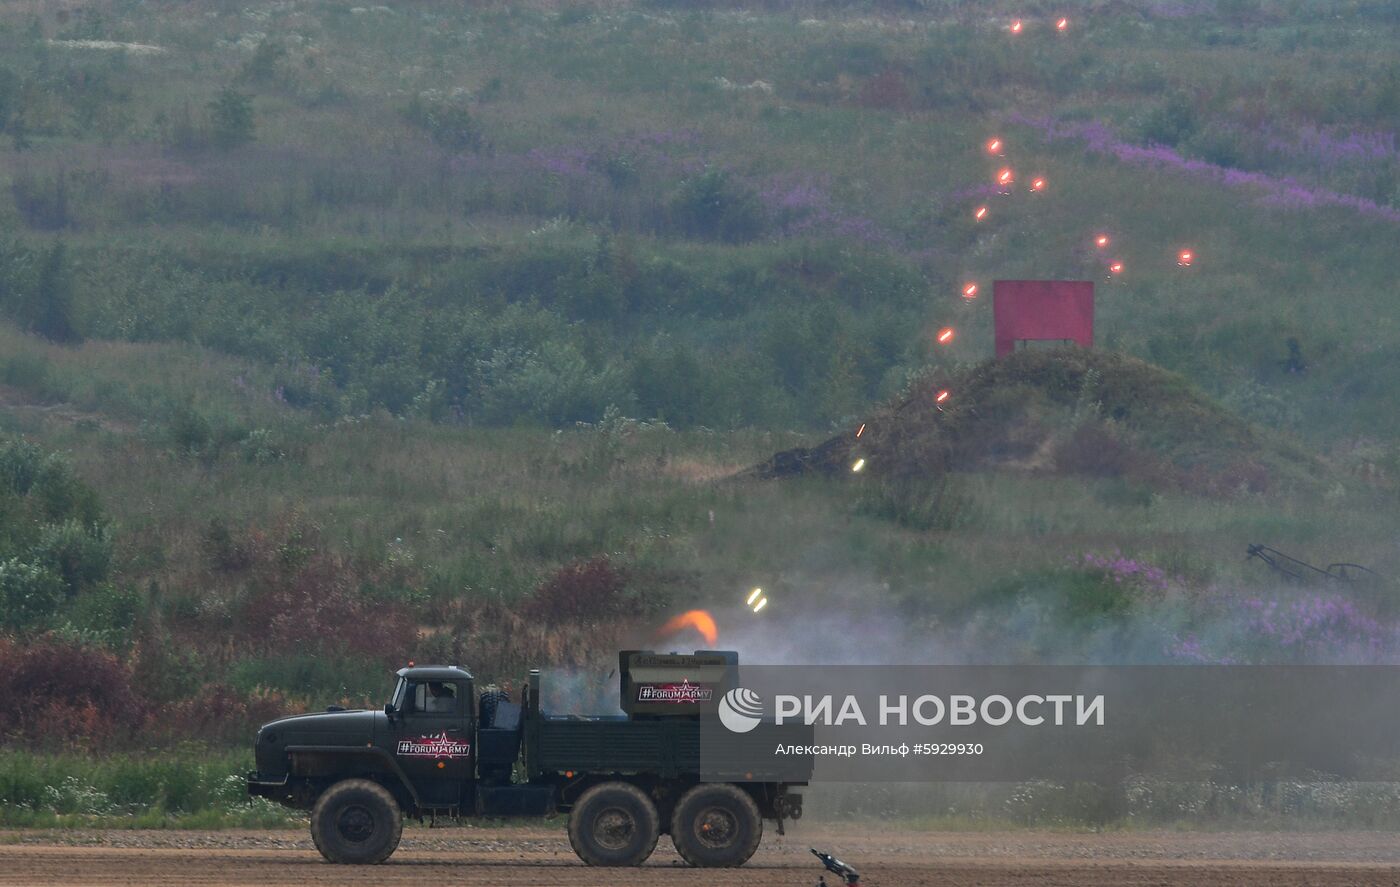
[740,710]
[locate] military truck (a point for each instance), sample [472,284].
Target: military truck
[439,749]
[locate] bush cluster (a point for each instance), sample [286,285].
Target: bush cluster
[55,546]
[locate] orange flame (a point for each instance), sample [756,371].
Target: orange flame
[945,335]
[1101,240]
[700,620]
[942,396]
[969,291]
[994,146]
[1115,268]
[1185,258]
[1038,185]
[1016,26]
[860,430]
[981,213]
[1062,24]
[1006,176]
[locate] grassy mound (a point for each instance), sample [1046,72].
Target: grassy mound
[1067,411]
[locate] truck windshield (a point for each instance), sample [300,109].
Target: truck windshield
[397,698]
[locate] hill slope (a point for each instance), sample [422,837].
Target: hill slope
[1065,410]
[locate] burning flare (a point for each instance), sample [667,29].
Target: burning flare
[994,146]
[981,213]
[1062,24]
[1016,26]
[945,335]
[942,396]
[700,620]
[1038,184]
[969,291]
[1115,268]
[1101,241]
[1185,258]
[1006,176]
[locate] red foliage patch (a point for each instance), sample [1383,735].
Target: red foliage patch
[584,591]
[219,713]
[317,606]
[57,693]
[303,597]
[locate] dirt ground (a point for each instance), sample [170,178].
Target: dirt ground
[516,857]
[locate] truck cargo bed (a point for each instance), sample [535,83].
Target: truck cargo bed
[669,748]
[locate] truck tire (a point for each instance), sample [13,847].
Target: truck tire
[614,824]
[490,699]
[356,822]
[716,826]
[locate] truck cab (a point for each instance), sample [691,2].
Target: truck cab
[429,727]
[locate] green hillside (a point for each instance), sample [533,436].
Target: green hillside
[719,216]
[333,336]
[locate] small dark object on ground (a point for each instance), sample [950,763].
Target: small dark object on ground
[849,876]
[1295,363]
[823,459]
[1305,573]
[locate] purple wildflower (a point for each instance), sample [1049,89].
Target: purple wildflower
[1284,192]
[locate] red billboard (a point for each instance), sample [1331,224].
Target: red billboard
[1041,310]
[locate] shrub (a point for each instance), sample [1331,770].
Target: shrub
[61,693]
[918,503]
[585,591]
[190,431]
[42,203]
[1095,450]
[109,613]
[1169,123]
[554,385]
[261,447]
[51,311]
[717,206]
[318,676]
[303,597]
[219,713]
[265,66]
[30,594]
[61,495]
[21,464]
[231,120]
[78,553]
[449,124]
[226,552]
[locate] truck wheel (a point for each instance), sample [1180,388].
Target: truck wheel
[716,826]
[356,822]
[614,824]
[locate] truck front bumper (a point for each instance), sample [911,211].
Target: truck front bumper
[274,788]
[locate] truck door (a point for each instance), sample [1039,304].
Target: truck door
[431,737]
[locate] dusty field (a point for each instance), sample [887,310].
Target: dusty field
[886,858]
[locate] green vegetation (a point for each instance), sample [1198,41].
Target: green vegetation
[193,791]
[737,219]
[336,336]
